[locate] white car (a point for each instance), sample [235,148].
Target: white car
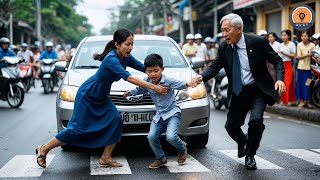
[137,112]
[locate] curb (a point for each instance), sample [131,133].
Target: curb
[306,114]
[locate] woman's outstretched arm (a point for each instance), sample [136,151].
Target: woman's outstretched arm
[139,82]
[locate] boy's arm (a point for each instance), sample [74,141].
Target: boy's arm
[138,90]
[177,84]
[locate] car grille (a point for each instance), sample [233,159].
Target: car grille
[119,100]
[136,128]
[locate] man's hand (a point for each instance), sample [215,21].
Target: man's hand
[280,86]
[126,94]
[196,80]
[162,89]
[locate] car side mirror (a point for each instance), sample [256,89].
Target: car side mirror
[197,62]
[61,66]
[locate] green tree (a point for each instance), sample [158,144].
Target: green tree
[59,18]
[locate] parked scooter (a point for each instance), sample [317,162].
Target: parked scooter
[48,75]
[219,90]
[11,89]
[27,76]
[315,82]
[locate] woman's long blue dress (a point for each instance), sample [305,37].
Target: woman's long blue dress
[96,121]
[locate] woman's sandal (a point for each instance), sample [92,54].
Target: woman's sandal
[109,163]
[41,159]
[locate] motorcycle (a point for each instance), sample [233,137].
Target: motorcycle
[27,76]
[314,84]
[11,88]
[219,90]
[48,75]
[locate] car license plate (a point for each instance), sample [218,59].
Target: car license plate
[136,118]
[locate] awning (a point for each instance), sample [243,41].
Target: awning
[238,4]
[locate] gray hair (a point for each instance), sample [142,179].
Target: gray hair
[235,19]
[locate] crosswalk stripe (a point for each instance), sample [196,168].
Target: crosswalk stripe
[97,169]
[261,163]
[303,154]
[191,165]
[316,150]
[23,166]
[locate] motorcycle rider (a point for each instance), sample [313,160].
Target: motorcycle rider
[49,53]
[4,50]
[25,53]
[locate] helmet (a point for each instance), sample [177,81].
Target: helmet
[198,36]
[24,45]
[262,33]
[189,36]
[213,40]
[207,39]
[58,46]
[49,44]
[4,40]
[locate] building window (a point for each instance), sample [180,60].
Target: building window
[274,22]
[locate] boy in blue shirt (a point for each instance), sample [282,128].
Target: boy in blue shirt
[168,114]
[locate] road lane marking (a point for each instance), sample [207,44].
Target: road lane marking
[316,150]
[303,154]
[191,165]
[97,169]
[261,163]
[266,117]
[23,166]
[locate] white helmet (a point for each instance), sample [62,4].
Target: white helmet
[49,44]
[189,36]
[262,32]
[207,39]
[24,45]
[198,36]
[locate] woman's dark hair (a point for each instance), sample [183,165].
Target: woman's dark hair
[153,60]
[273,34]
[288,32]
[119,37]
[305,32]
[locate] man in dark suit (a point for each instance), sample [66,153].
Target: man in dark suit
[251,87]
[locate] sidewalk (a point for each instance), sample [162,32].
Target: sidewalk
[303,113]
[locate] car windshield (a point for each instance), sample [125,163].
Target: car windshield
[172,58]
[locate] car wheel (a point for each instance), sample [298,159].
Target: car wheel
[199,141]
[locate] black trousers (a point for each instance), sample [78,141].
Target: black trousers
[251,98]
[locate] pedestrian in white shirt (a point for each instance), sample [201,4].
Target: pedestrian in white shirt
[202,49]
[272,38]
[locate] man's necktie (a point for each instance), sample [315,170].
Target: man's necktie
[236,72]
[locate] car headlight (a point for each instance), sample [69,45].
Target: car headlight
[68,93]
[192,93]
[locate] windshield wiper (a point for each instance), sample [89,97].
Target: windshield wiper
[87,67]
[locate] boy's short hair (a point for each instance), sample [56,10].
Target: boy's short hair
[153,60]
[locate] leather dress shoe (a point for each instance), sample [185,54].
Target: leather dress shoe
[242,148]
[250,163]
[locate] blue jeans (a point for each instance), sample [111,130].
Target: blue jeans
[156,129]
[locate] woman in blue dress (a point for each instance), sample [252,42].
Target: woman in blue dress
[96,121]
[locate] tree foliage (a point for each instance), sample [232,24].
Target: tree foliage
[133,12]
[59,19]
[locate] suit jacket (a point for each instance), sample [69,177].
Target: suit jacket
[259,51]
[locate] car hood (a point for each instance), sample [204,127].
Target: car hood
[77,76]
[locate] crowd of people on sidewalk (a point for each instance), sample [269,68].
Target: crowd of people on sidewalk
[296,58]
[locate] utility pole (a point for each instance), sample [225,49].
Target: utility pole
[215,19]
[164,18]
[11,28]
[181,29]
[38,24]
[190,19]
[142,24]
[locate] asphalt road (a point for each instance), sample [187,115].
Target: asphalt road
[289,150]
